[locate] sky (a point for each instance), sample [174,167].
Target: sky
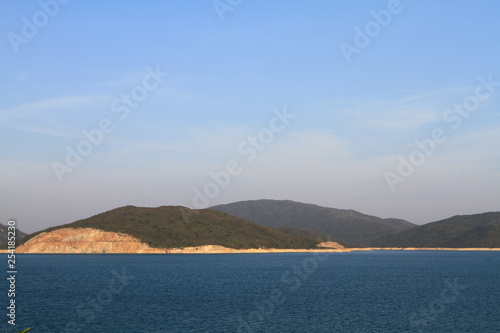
[389,108]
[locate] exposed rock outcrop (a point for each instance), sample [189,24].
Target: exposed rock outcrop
[330,245]
[85,240]
[221,249]
[202,249]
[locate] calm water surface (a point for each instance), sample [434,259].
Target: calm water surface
[380,291]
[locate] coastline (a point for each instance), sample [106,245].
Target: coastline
[216,249]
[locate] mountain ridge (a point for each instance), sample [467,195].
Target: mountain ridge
[458,231]
[292,227]
[346,224]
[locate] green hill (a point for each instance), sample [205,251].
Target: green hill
[348,225]
[312,234]
[479,230]
[167,227]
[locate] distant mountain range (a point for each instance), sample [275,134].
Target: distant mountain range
[479,230]
[348,225]
[280,224]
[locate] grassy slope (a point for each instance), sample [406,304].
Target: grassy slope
[166,227]
[479,230]
[348,225]
[313,234]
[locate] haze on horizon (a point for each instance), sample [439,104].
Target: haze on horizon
[389,108]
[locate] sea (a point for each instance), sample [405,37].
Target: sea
[361,291]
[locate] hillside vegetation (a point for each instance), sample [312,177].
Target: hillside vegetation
[348,225]
[168,227]
[312,234]
[461,231]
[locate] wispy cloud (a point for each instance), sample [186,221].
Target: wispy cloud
[397,119]
[54,104]
[44,130]
[400,111]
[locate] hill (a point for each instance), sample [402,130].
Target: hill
[312,234]
[461,231]
[348,225]
[166,227]
[4,235]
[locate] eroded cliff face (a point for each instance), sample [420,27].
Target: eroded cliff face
[85,240]
[330,245]
[202,249]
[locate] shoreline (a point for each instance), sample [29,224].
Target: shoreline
[214,249]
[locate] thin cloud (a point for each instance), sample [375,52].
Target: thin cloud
[396,119]
[402,113]
[45,131]
[54,104]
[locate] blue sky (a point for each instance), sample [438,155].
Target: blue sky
[354,117]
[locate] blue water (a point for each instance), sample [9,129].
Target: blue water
[380,291]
